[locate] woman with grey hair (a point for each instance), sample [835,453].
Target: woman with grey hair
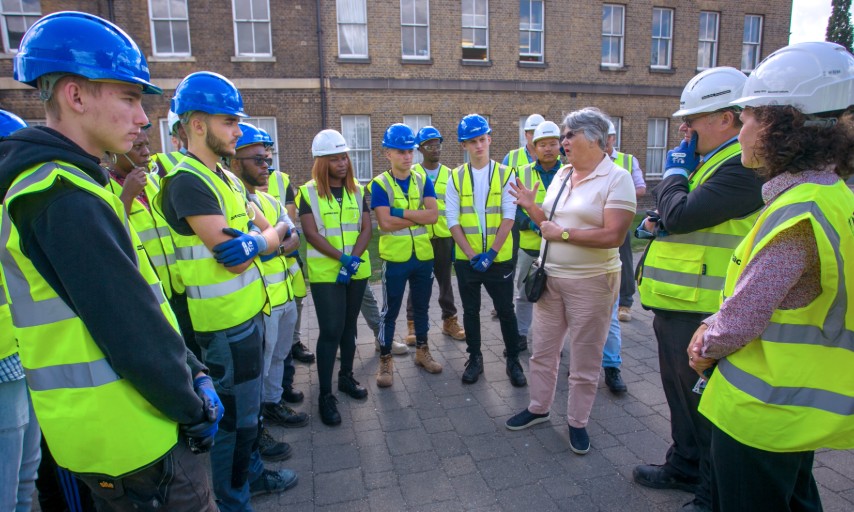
[586,212]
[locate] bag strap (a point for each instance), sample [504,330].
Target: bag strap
[551,215]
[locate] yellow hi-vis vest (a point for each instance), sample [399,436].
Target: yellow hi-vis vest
[398,246]
[625,160]
[440,228]
[278,184]
[685,272]
[93,420]
[216,298]
[340,225]
[155,235]
[528,238]
[8,343]
[167,161]
[518,158]
[276,273]
[480,237]
[792,389]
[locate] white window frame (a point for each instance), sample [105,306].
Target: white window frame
[609,33]
[343,10]
[29,18]
[656,145]
[416,122]
[253,22]
[662,41]
[529,31]
[705,42]
[522,140]
[414,26]
[360,156]
[171,20]
[472,27]
[750,43]
[618,127]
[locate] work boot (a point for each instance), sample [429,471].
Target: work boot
[410,338]
[385,373]
[272,450]
[452,328]
[272,481]
[624,314]
[292,396]
[282,415]
[301,353]
[663,477]
[515,372]
[350,386]
[614,381]
[474,367]
[397,348]
[424,359]
[329,410]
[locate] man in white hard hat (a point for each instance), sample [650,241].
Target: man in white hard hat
[163,163]
[707,201]
[526,154]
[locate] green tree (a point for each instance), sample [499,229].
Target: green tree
[839,24]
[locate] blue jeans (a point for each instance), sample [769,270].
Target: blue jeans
[235,358]
[19,446]
[611,353]
[419,274]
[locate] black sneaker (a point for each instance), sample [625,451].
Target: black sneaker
[474,367]
[663,477]
[273,450]
[273,482]
[350,386]
[579,441]
[292,396]
[526,419]
[282,415]
[515,372]
[614,381]
[301,353]
[329,410]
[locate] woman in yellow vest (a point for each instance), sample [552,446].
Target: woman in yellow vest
[784,336]
[337,227]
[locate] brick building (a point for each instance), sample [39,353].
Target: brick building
[360,65]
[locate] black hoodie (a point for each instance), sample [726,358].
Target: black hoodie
[81,248]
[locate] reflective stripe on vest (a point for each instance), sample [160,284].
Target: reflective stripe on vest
[528,238]
[624,160]
[518,158]
[168,161]
[685,272]
[278,186]
[340,225]
[481,238]
[440,228]
[400,245]
[790,389]
[94,421]
[275,269]
[8,343]
[297,278]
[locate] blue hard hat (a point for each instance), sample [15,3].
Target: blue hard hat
[428,133]
[10,123]
[471,126]
[268,141]
[208,92]
[81,44]
[251,135]
[399,136]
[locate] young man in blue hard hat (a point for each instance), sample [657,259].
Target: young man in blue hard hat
[119,398]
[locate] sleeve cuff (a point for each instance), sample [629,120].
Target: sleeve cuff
[674,171]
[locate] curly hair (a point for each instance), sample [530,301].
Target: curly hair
[790,141]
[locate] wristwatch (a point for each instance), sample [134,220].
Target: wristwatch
[565,235]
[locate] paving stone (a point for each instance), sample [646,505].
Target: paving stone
[403,442]
[527,497]
[427,487]
[471,420]
[335,457]
[459,465]
[340,486]
[473,492]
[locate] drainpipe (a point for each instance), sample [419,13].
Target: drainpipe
[111,11]
[320,66]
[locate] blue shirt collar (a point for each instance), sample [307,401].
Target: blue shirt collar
[711,153]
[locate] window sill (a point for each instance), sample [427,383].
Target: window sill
[613,69]
[249,58]
[182,58]
[422,62]
[480,63]
[354,60]
[664,71]
[7,55]
[534,65]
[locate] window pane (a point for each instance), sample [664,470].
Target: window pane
[407,11]
[421,42]
[408,41]
[537,15]
[536,42]
[422,15]
[16,26]
[259,10]
[480,8]
[12,6]
[178,8]
[244,38]
[162,37]
[31,7]
[262,38]
[480,37]
[181,37]
[524,14]
[242,10]
[159,8]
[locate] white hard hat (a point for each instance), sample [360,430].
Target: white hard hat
[812,77]
[328,142]
[546,130]
[612,130]
[533,121]
[711,90]
[172,119]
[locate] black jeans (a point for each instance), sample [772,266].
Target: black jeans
[443,257]
[746,478]
[499,284]
[688,456]
[627,273]
[337,308]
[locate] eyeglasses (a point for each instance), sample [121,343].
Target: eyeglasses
[259,160]
[568,135]
[687,120]
[431,147]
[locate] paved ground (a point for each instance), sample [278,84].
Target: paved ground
[431,443]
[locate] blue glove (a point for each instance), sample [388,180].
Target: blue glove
[536,229]
[267,257]
[483,261]
[294,254]
[396,212]
[240,249]
[343,276]
[350,263]
[200,436]
[682,159]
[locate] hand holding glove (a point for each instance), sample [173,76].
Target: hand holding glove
[350,263]
[683,158]
[200,436]
[343,276]
[484,260]
[240,249]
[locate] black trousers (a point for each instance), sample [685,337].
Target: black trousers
[688,456]
[746,478]
[499,283]
[627,273]
[337,308]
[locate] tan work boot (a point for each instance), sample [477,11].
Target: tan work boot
[385,373]
[410,338]
[397,348]
[424,359]
[624,314]
[452,328]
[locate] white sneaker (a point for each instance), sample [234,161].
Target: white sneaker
[397,348]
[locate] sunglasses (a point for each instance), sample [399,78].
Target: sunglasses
[568,135]
[431,147]
[259,160]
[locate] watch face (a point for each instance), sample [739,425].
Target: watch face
[565,235]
